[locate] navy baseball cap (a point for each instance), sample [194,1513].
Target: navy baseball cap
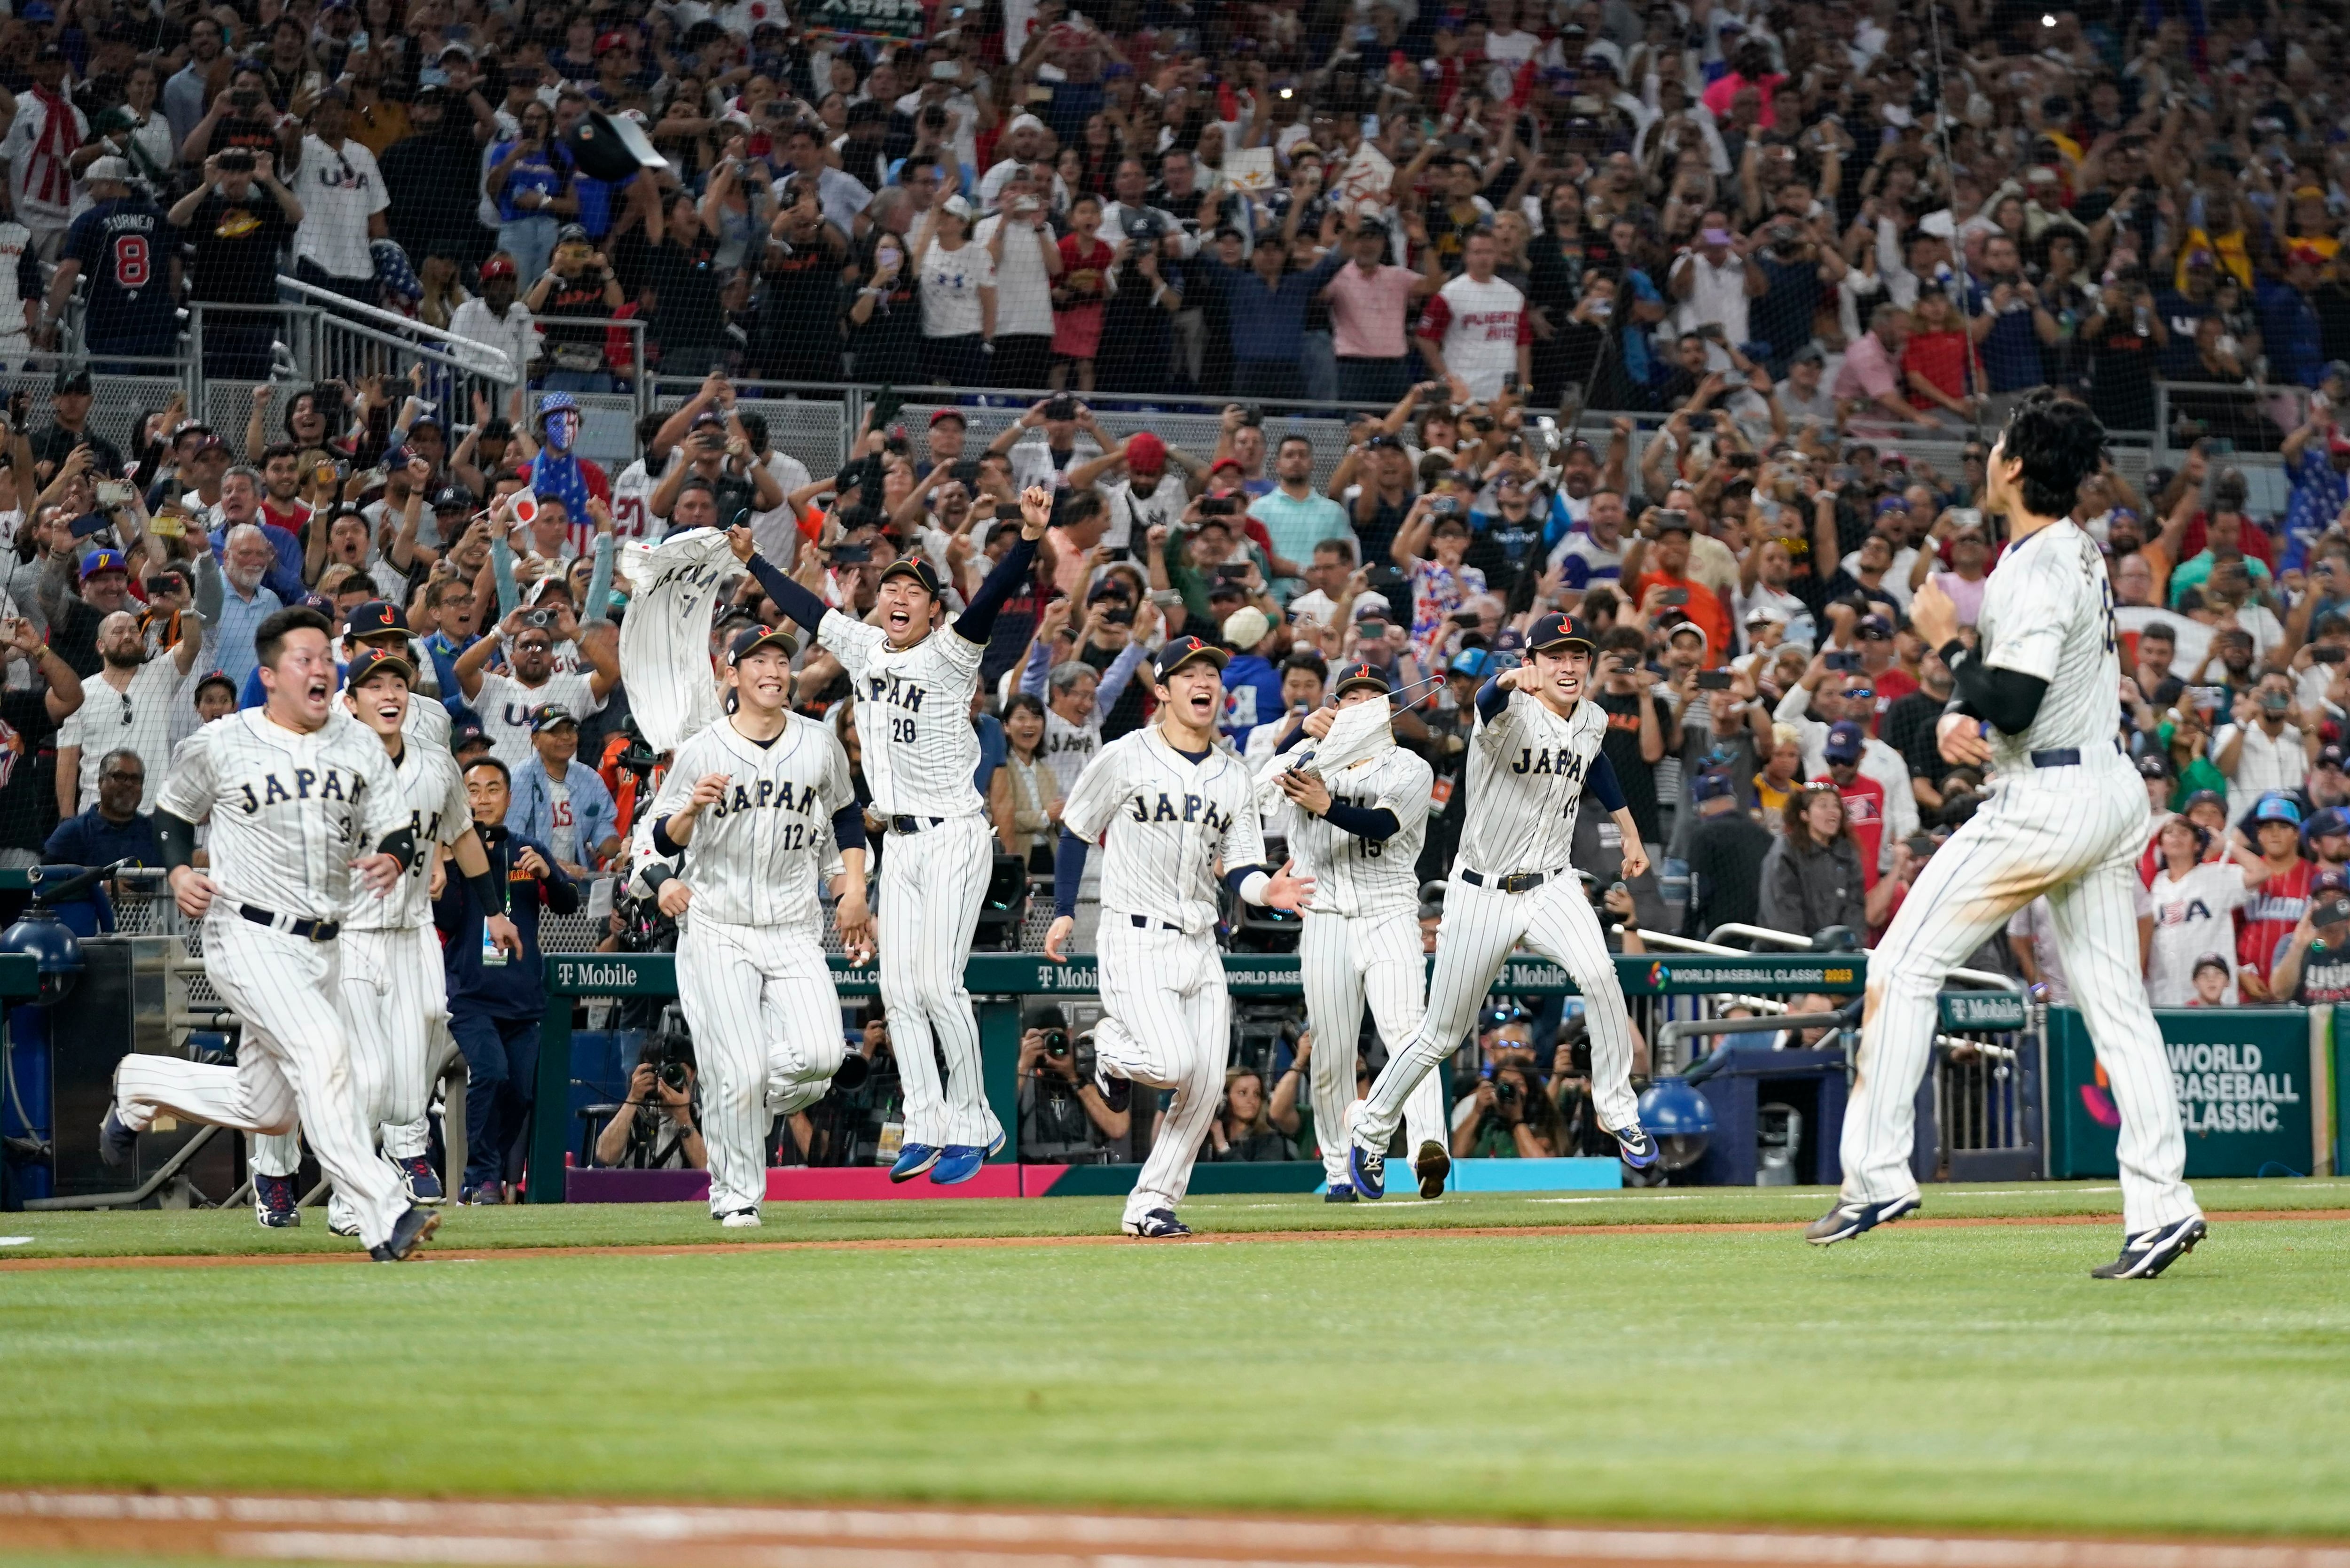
[2330,757]
[2330,821]
[377,662]
[2152,768]
[2277,808]
[374,618]
[104,561]
[750,641]
[1846,743]
[466,735]
[918,568]
[1180,651]
[1875,627]
[452,498]
[1555,633]
[1714,785]
[2203,797]
[549,715]
[1356,675]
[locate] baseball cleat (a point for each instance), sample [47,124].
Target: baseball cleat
[1851,1216]
[115,1141]
[2150,1253]
[957,1163]
[274,1202]
[342,1226]
[1339,1193]
[1160,1224]
[740,1220]
[1431,1164]
[408,1233]
[912,1160]
[423,1181]
[1639,1148]
[1369,1169]
[1117,1092]
[488,1193]
[997,1146]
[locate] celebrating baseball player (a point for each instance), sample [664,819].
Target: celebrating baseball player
[750,808]
[1168,806]
[1534,752]
[394,992]
[913,683]
[2038,701]
[298,803]
[1358,837]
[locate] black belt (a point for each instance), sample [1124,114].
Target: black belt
[914,824]
[1143,923]
[2063,756]
[1515,882]
[292,925]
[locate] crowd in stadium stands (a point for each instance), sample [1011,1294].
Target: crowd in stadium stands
[1803,236]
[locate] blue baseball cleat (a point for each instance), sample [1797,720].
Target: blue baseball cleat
[1369,1169]
[115,1141]
[1851,1216]
[1339,1193]
[1640,1150]
[423,1181]
[956,1163]
[1160,1224]
[912,1160]
[274,1202]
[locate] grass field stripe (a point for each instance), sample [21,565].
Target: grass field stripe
[390,1529]
[1338,1232]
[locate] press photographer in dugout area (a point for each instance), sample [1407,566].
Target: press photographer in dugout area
[655,1128]
[1064,1120]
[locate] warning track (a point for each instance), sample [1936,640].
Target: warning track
[949,1243]
[655,1535]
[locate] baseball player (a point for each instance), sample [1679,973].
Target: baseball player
[1168,806]
[2038,701]
[1533,753]
[1358,836]
[914,673]
[297,804]
[744,814]
[394,993]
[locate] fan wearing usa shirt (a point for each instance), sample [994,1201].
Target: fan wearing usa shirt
[1476,327]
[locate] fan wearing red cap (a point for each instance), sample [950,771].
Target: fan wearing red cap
[914,676]
[1167,806]
[1533,754]
[1361,819]
[1152,495]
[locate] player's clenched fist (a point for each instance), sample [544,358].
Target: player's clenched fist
[192,891]
[854,918]
[1960,739]
[673,898]
[1035,512]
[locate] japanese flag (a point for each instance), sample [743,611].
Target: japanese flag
[524,509]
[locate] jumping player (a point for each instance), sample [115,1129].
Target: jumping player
[744,813]
[913,680]
[2038,701]
[1358,837]
[394,990]
[297,804]
[1534,752]
[1168,805]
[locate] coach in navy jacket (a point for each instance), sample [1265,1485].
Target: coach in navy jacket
[495,1009]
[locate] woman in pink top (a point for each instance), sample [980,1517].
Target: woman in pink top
[1370,308]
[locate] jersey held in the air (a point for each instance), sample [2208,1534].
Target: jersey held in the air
[913,716]
[1357,875]
[1166,822]
[756,854]
[290,810]
[1526,771]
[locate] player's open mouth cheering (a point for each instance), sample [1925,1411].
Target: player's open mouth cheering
[1198,689]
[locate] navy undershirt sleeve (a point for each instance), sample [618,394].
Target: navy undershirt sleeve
[1491,698]
[662,843]
[1600,781]
[1377,824]
[977,621]
[848,827]
[1296,737]
[790,597]
[1069,870]
[1237,875]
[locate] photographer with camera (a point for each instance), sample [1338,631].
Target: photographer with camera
[236,220]
[653,1129]
[1064,1120]
[1513,1119]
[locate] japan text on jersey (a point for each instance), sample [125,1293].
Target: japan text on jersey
[256,793]
[1558,760]
[1159,806]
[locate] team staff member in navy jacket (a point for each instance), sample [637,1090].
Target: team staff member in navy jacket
[495,1001]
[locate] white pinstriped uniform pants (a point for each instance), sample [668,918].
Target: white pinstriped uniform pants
[1167,1024]
[294,1064]
[932,883]
[1343,960]
[1480,926]
[393,992]
[766,1039]
[2073,834]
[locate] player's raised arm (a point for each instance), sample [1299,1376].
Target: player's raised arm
[978,618]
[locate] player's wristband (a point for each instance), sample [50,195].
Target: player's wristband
[654,875]
[486,889]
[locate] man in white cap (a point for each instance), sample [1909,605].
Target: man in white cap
[1024,143]
[1251,685]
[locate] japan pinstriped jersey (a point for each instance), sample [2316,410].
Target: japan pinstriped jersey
[1355,876]
[429,786]
[1526,770]
[290,811]
[913,716]
[1069,748]
[2048,610]
[1167,820]
[756,854]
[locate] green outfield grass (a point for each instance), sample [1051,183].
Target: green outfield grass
[1969,1376]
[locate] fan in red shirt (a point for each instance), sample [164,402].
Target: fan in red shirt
[2275,907]
[1863,798]
[1938,362]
